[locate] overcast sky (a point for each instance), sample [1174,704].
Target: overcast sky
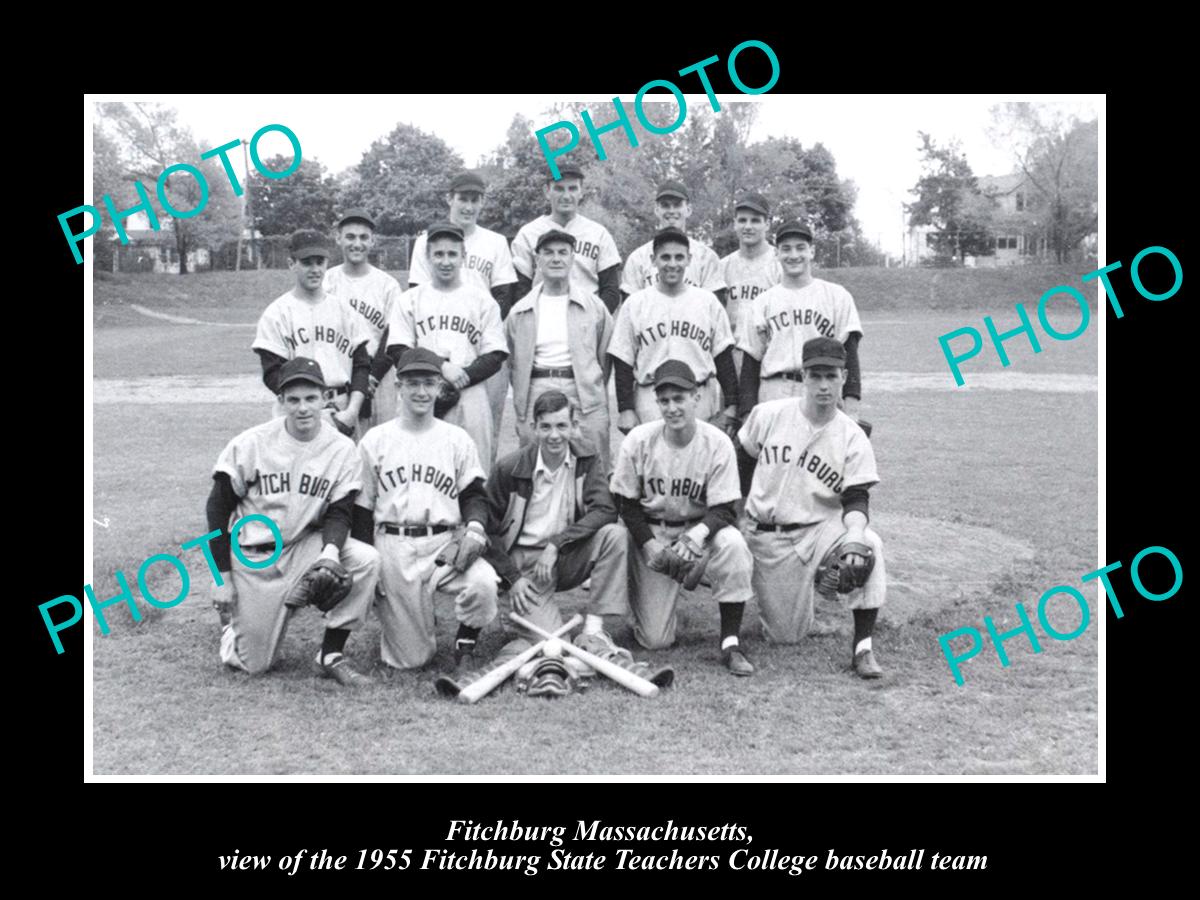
[873,138]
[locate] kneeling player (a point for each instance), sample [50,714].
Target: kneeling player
[807,508]
[302,474]
[422,481]
[677,481]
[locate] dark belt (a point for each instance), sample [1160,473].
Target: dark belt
[790,376]
[568,372]
[763,526]
[417,530]
[672,523]
[267,548]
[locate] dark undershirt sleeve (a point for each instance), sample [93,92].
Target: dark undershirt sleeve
[381,363]
[727,376]
[720,516]
[609,288]
[634,519]
[362,526]
[335,527]
[853,385]
[856,498]
[472,501]
[360,369]
[222,501]
[521,288]
[270,369]
[485,366]
[746,466]
[625,384]
[748,388]
[394,352]
[502,293]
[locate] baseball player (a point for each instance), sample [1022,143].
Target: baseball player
[672,320]
[782,318]
[308,322]
[807,507]
[487,264]
[459,322]
[553,524]
[371,293]
[299,472]
[752,267]
[677,480]
[421,482]
[672,206]
[558,339]
[597,263]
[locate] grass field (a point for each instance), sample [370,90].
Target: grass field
[988,497]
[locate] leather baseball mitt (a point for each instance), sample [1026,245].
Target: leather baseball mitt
[447,399]
[836,576]
[324,585]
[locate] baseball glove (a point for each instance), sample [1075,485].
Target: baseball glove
[324,585]
[696,570]
[447,399]
[834,576]
[462,551]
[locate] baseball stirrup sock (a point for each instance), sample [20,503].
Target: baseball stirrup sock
[334,641]
[731,621]
[864,624]
[593,624]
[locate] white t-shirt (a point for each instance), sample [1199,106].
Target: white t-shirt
[552,350]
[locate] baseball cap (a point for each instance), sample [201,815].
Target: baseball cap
[823,351]
[751,200]
[795,226]
[357,214]
[443,229]
[467,181]
[307,242]
[419,359]
[568,170]
[554,234]
[670,235]
[676,374]
[672,189]
[300,369]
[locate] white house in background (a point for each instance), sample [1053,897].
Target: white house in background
[149,250]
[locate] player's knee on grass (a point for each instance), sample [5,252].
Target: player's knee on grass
[873,594]
[476,603]
[731,552]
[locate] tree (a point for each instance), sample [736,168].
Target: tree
[1058,154]
[515,177]
[305,199]
[402,179]
[949,199]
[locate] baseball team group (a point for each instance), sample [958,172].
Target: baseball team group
[741,462]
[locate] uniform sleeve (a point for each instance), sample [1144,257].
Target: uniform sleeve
[626,479]
[753,339]
[348,478]
[711,276]
[632,276]
[722,333]
[503,271]
[522,252]
[418,265]
[368,493]
[724,486]
[401,328]
[609,256]
[849,321]
[271,332]
[469,467]
[239,460]
[860,459]
[492,328]
[750,433]
[624,342]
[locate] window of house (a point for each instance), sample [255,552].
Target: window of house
[1020,201]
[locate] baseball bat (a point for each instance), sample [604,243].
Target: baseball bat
[623,677]
[489,681]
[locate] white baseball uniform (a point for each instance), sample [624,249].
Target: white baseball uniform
[802,470]
[782,319]
[291,482]
[327,330]
[675,486]
[595,250]
[703,271]
[459,325]
[414,479]
[746,278]
[653,327]
[372,296]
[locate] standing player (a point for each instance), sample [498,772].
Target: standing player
[672,206]
[310,323]
[784,317]
[752,267]
[807,508]
[487,264]
[460,323]
[597,263]
[421,481]
[300,473]
[371,293]
[558,339]
[673,320]
[677,480]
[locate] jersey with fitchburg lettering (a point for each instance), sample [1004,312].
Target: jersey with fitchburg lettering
[487,261]
[291,482]
[415,477]
[745,279]
[328,331]
[460,325]
[782,319]
[652,327]
[703,270]
[676,482]
[372,296]
[595,250]
[803,468]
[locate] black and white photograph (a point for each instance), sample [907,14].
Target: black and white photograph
[693,436]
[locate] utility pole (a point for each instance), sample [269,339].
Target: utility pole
[237,265]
